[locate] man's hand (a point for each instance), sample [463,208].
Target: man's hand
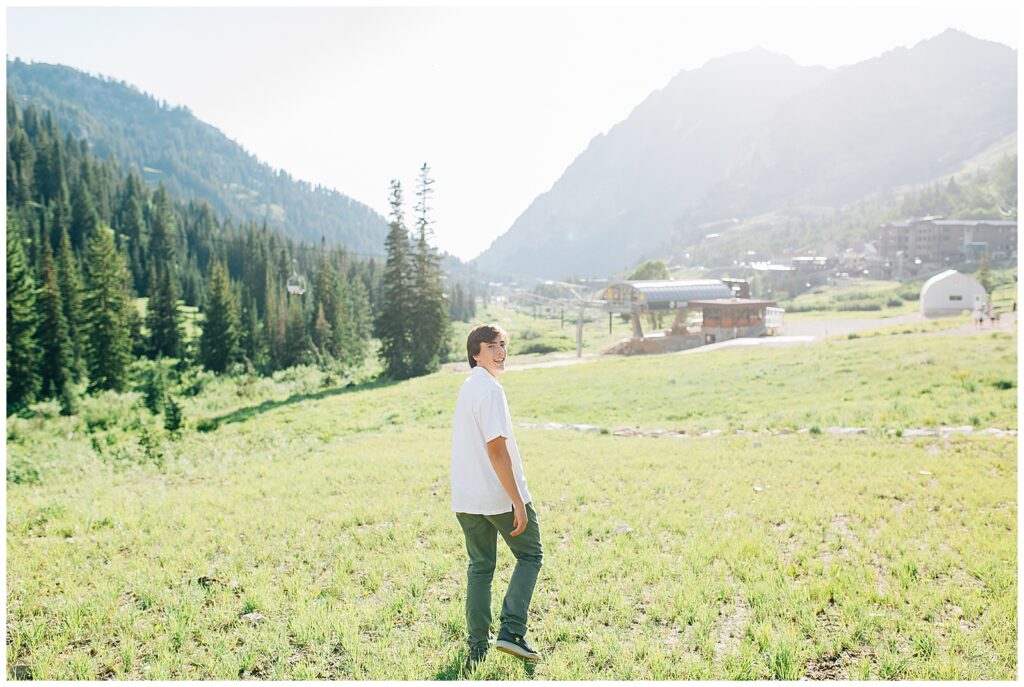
[519,519]
[501,461]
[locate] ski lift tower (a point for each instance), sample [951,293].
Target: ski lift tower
[578,302]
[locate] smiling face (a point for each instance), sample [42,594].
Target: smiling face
[492,356]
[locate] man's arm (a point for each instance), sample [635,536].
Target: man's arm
[501,461]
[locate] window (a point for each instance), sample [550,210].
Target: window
[956,298]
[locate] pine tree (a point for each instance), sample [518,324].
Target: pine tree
[106,323]
[71,300]
[249,334]
[133,225]
[429,309]
[84,219]
[984,274]
[57,357]
[23,354]
[218,345]
[322,333]
[327,304]
[163,230]
[162,317]
[394,320]
[355,326]
[297,343]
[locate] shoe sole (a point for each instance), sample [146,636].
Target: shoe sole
[515,650]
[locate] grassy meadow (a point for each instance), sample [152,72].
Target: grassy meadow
[299,528]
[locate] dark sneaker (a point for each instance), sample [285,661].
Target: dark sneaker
[516,645]
[473,659]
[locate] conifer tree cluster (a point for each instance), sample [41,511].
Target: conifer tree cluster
[85,240]
[413,323]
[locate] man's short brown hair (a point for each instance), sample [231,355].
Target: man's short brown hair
[481,334]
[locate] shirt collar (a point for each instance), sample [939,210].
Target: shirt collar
[481,370]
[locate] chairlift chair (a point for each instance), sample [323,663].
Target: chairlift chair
[296,283]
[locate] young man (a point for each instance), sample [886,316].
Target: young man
[489,497]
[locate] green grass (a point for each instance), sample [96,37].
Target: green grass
[864,298]
[550,330]
[325,510]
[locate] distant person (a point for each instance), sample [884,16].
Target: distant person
[489,497]
[978,315]
[993,316]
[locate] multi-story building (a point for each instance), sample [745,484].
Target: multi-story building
[934,239]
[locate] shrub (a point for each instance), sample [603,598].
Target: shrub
[859,305]
[68,402]
[207,424]
[193,381]
[153,388]
[151,449]
[172,415]
[1004,384]
[539,347]
[108,409]
[893,303]
[22,471]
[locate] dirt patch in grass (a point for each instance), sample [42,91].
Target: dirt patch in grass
[732,625]
[834,666]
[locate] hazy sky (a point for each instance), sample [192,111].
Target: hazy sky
[499,101]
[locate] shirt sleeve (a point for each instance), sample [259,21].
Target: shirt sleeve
[493,416]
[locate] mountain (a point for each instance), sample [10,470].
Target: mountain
[191,158]
[754,132]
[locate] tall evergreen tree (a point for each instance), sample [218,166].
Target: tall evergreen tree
[394,320]
[249,339]
[133,226]
[70,284]
[218,345]
[429,308]
[297,344]
[162,317]
[84,219]
[58,360]
[107,325]
[23,353]
[163,231]
[356,323]
[327,302]
[984,274]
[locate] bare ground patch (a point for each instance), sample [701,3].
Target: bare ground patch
[731,626]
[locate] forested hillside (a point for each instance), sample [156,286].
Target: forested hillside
[192,159]
[85,239]
[981,194]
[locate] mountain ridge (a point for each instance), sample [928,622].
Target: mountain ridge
[715,143]
[193,158]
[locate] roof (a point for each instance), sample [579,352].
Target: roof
[733,301]
[683,290]
[974,223]
[942,276]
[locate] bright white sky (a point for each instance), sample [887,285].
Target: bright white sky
[499,101]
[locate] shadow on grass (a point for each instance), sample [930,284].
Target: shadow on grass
[455,668]
[244,414]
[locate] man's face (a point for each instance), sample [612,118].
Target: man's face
[492,356]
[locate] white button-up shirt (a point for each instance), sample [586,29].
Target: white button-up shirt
[481,414]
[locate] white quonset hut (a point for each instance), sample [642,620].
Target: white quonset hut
[950,293]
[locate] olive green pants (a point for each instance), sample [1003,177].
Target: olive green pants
[482,546]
